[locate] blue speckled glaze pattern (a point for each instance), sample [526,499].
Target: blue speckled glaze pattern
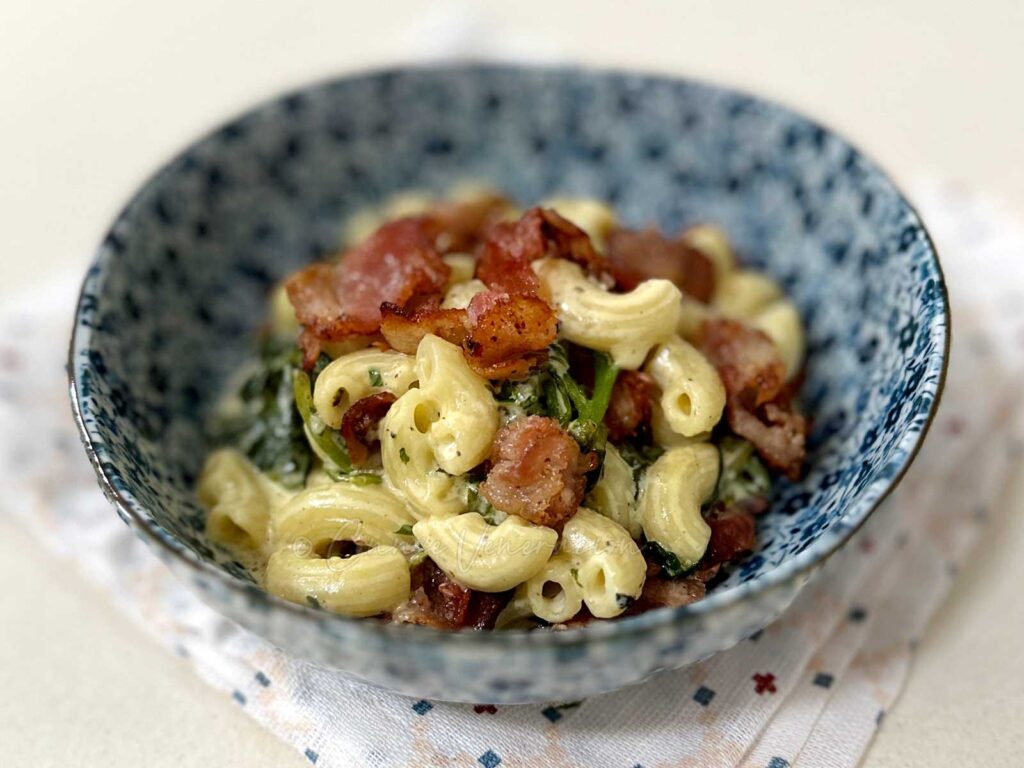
[180,283]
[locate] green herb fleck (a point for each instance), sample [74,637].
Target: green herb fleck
[403,455]
[313,602]
[405,530]
[575,576]
[376,380]
[265,426]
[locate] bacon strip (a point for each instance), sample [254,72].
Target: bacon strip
[361,417]
[508,250]
[630,406]
[509,335]
[732,535]
[502,336]
[537,471]
[439,601]
[395,264]
[757,401]
[637,255]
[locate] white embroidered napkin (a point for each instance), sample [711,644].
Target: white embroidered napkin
[810,690]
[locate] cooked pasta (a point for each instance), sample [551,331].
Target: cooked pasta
[459,295]
[614,495]
[555,594]
[672,493]
[357,375]
[626,325]
[781,322]
[743,293]
[692,394]
[495,418]
[331,513]
[365,584]
[490,558]
[238,506]
[609,564]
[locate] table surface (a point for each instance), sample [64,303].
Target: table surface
[97,94]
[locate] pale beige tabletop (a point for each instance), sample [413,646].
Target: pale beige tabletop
[96,94]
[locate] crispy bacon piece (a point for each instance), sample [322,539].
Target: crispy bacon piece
[461,226]
[361,417]
[509,334]
[757,406]
[537,471]
[395,264]
[403,329]
[732,534]
[440,602]
[660,591]
[502,336]
[506,253]
[630,405]
[637,255]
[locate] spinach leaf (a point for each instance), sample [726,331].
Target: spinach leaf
[566,400]
[266,427]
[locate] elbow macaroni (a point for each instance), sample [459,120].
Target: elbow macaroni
[372,582]
[462,266]
[442,429]
[232,491]
[491,558]
[626,325]
[743,293]
[459,295]
[368,515]
[673,490]
[614,495]
[713,243]
[610,567]
[555,593]
[781,322]
[357,375]
[692,394]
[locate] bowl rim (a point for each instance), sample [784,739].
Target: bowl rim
[797,567]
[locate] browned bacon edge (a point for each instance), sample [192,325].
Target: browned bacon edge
[439,601]
[502,336]
[509,248]
[361,417]
[630,406]
[638,255]
[757,400]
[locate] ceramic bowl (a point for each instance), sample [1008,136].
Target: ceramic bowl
[179,285]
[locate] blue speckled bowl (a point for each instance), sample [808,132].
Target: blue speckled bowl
[180,281]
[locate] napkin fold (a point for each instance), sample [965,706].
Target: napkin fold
[810,690]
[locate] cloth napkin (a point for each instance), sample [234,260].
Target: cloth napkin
[809,690]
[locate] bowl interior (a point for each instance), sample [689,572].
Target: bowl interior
[179,285]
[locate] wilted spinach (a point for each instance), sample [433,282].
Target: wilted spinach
[267,428]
